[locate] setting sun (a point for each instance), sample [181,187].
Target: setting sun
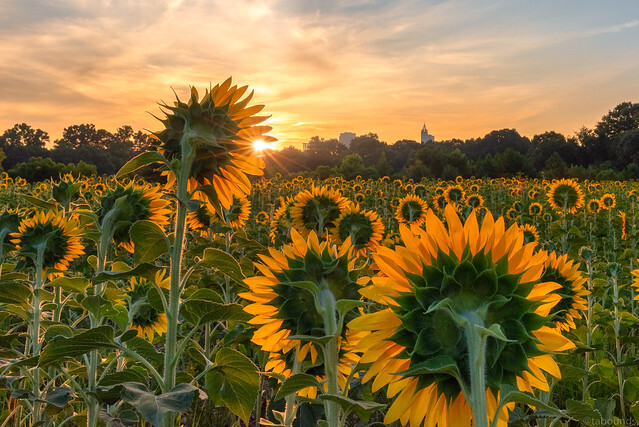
[260,145]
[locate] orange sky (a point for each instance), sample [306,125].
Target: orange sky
[323,67]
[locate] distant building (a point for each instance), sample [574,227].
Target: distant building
[346,138]
[426,137]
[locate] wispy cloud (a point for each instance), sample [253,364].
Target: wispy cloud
[321,67]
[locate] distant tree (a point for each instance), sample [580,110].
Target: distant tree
[622,118]
[77,136]
[322,151]
[369,147]
[2,157]
[400,153]
[23,135]
[547,143]
[383,167]
[352,165]
[626,148]
[40,169]
[496,142]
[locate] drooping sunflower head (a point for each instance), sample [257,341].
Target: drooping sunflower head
[145,318]
[55,237]
[454,194]
[594,205]
[238,213]
[623,225]
[221,129]
[565,195]
[608,201]
[317,209]
[280,228]
[261,218]
[475,201]
[535,209]
[125,205]
[9,223]
[201,220]
[281,306]
[420,190]
[512,214]
[360,198]
[559,269]
[363,227]
[438,278]
[412,210]
[531,234]
[633,195]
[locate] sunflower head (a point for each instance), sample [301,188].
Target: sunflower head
[9,223]
[475,201]
[238,213]
[283,298]
[565,195]
[364,228]
[454,194]
[594,205]
[317,209]
[531,234]
[220,130]
[145,318]
[535,209]
[125,205]
[261,217]
[438,283]
[51,235]
[411,210]
[201,220]
[559,269]
[608,201]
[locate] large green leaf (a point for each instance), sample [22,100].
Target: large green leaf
[295,383]
[14,293]
[240,382]
[139,161]
[47,205]
[65,348]
[149,241]
[225,263]
[197,311]
[152,407]
[76,285]
[145,270]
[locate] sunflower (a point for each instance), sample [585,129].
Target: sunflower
[411,210]
[57,237]
[624,225]
[535,209]
[594,205]
[138,203]
[420,190]
[531,235]
[546,217]
[238,213]
[512,214]
[474,188]
[201,220]
[281,224]
[261,217]
[632,196]
[363,227]
[532,193]
[99,188]
[559,269]
[454,194]
[145,318]
[281,308]
[360,198]
[222,130]
[475,201]
[437,285]
[565,195]
[439,201]
[518,206]
[317,209]
[608,201]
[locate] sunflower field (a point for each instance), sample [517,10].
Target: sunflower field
[222,298]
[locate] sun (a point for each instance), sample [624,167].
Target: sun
[260,145]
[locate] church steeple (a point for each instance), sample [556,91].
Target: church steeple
[426,137]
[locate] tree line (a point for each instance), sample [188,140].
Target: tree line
[608,151]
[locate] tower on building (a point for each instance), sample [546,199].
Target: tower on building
[426,137]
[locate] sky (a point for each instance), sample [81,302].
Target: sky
[322,67]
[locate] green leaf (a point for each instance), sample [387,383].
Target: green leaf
[75,285]
[152,407]
[139,161]
[66,348]
[145,270]
[8,341]
[582,412]
[240,385]
[14,293]
[494,331]
[145,349]
[149,241]
[295,383]
[509,394]
[46,205]
[350,405]
[343,306]
[58,396]
[56,331]
[196,311]
[435,365]
[225,263]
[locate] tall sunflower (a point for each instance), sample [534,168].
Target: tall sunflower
[411,210]
[442,288]
[565,195]
[127,204]
[608,201]
[363,227]
[559,269]
[201,220]
[57,237]
[223,129]
[317,209]
[454,194]
[280,227]
[238,213]
[145,318]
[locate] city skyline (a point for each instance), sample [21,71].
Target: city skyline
[323,67]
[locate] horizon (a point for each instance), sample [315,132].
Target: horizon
[322,68]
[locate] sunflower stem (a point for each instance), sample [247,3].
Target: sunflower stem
[170,361]
[331,353]
[35,331]
[476,343]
